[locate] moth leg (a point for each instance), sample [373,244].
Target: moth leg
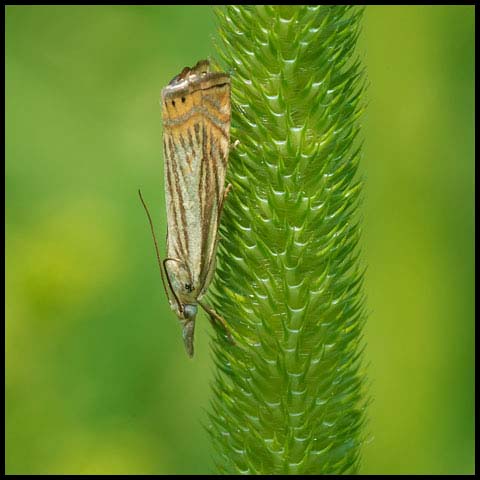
[225,194]
[234,145]
[227,191]
[216,319]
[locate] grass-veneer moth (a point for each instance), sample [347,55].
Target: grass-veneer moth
[196,142]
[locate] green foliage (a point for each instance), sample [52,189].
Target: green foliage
[288,398]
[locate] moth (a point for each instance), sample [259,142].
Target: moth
[196,143]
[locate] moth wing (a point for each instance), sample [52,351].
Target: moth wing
[212,259]
[214,168]
[196,143]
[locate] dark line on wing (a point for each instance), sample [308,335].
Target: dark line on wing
[206,201]
[190,140]
[215,156]
[196,127]
[179,207]
[201,181]
[221,120]
[174,199]
[221,130]
[214,102]
[218,85]
[182,141]
[209,225]
[171,207]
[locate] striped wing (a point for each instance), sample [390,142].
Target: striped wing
[196,143]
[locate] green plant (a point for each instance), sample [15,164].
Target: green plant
[288,398]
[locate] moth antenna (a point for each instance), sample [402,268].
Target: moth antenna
[180,306]
[160,265]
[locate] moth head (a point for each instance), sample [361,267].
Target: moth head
[190,312]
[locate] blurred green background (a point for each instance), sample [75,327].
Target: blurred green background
[97,380]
